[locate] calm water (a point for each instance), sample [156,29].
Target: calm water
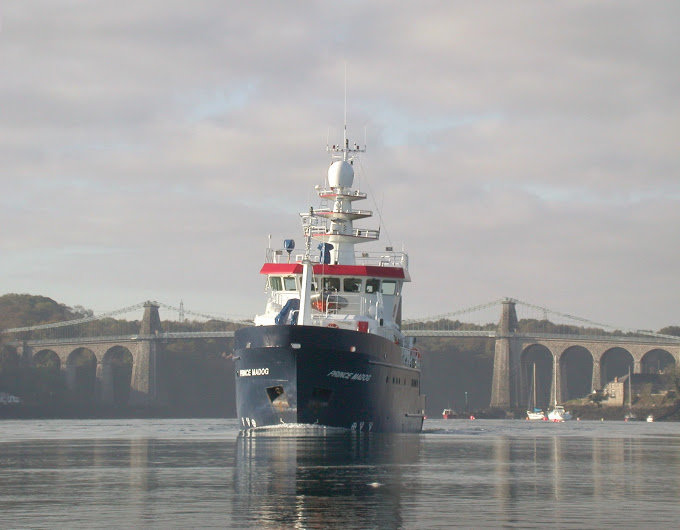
[200,473]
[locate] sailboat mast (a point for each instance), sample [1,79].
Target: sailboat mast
[555,381]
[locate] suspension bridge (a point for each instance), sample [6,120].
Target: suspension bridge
[565,339]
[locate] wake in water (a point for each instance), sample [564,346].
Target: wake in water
[293,429]
[463,431]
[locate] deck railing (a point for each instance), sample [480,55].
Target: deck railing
[386,258]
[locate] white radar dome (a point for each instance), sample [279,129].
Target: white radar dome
[340,174]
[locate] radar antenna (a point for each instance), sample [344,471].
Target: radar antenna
[345,151]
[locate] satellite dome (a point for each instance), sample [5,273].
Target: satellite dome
[340,174]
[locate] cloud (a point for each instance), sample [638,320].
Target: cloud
[525,150]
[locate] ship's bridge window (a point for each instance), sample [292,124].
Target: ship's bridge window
[275,283]
[372,285]
[389,287]
[331,284]
[351,285]
[289,283]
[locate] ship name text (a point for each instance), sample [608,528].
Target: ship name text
[349,375]
[249,372]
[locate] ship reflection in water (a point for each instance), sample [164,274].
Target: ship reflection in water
[491,475]
[323,479]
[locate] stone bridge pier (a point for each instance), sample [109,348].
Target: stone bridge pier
[506,359]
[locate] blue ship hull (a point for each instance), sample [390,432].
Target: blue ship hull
[324,376]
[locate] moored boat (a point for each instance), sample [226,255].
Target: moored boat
[536,414]
[630,415]
[533,412]
[447,414]
[328,350]
[557,413]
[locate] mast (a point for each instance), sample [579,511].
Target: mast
[305,314]
[337,230]
[554,382]
[344,134]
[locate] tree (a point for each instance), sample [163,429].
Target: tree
[671,378]
[670,330]
[82,311]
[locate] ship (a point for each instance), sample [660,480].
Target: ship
[328,352]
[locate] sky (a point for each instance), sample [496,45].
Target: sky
[523,149]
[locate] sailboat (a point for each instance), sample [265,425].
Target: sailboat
[630,415]
[557,413]
[533,412]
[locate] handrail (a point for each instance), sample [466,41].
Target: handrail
[381,258]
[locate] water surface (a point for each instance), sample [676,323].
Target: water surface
[201,473]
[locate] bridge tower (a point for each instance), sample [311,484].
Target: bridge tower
[145,382]
[151,322]
[506,359]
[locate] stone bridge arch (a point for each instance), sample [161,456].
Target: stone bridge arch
[542,356]
[615,362]
[655,361]
[81,373]
[47,359]
[116,375]
[576,370]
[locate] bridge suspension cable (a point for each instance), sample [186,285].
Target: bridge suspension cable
[78,321]
[411,321]
[596,324]
[452,314]
[110,314]
[202,315]
[545,312]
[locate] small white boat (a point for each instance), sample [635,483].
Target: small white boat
[533,412]
[557,413]
[650,418]
[447,414]
[536,415]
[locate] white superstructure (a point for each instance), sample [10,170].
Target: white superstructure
[343,287]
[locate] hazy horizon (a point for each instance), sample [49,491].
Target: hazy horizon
[524,150]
